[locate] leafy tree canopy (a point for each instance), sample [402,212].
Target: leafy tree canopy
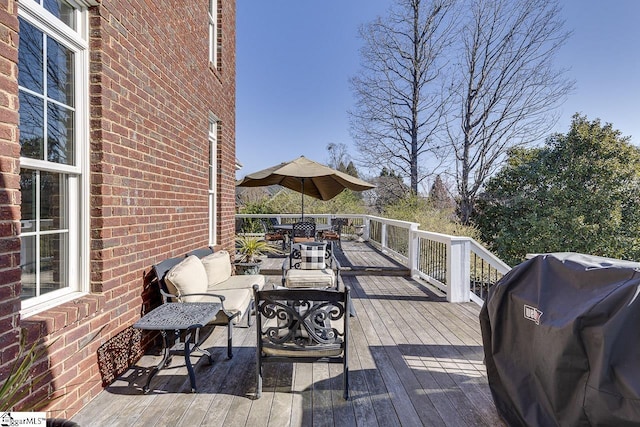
[578,193]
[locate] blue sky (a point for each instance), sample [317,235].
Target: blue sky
[295,57]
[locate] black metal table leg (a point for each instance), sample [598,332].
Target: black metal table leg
[165,358]
[187,361]
[230,339]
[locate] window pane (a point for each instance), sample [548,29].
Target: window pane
[53,195]
[28,204]
[59,73]
[28,266]
[31,126]
[61,10]
[53,258]
[30,69]
[60,141]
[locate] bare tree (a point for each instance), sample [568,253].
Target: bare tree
[398,93]
[505,87]
[338,156]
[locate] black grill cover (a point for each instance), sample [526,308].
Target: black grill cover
[561,336]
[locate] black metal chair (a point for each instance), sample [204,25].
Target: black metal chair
[272,235]
[273,221]
[335,234]
[321,272]
[302,325]
[239,225]
[303,232]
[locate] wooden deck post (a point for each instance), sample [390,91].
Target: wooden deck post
[367,225]
[458,266]
[412,251]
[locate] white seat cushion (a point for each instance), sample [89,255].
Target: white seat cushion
[324,278]
[235,301]
[240,281]
[187,277]
[217,267]
[310,351]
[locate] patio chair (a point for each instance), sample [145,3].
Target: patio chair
[272,235]
[302,326]
[239,225]
[303,232]
[335,234]
[311,265]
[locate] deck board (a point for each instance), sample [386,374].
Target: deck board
[414,360]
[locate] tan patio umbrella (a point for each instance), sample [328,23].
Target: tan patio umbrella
[307,177]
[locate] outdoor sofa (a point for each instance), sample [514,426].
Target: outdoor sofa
[206,276]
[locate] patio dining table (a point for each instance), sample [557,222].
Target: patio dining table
[289,227]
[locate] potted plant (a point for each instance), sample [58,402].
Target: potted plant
[249,249]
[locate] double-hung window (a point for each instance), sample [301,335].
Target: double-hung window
[52,90]
[213,32]
[213,171]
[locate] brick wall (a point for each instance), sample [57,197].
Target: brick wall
[151,93]
[9,188]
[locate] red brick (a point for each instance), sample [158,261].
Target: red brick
[151,93]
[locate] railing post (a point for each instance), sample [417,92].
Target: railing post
[458,266]
[367,225]
[412,250]
[383,234]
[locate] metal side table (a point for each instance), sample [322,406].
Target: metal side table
[177,317]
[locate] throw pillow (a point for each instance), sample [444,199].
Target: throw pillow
[312,256]
[217,266]
[187,277]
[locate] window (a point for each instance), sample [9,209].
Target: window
[213,170]
[213,32]
[52,66]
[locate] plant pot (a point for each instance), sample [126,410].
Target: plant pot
[247,267]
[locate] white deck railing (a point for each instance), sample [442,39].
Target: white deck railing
[459,266]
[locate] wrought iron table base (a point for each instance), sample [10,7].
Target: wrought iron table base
[177,317]
[177,347]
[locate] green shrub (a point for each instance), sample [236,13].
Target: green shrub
[416,209]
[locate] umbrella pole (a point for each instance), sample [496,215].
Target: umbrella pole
[302,220]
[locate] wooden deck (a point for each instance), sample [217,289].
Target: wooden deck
[415,360]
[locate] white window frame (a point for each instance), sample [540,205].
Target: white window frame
[213,33]
[77,208]
[213,180]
